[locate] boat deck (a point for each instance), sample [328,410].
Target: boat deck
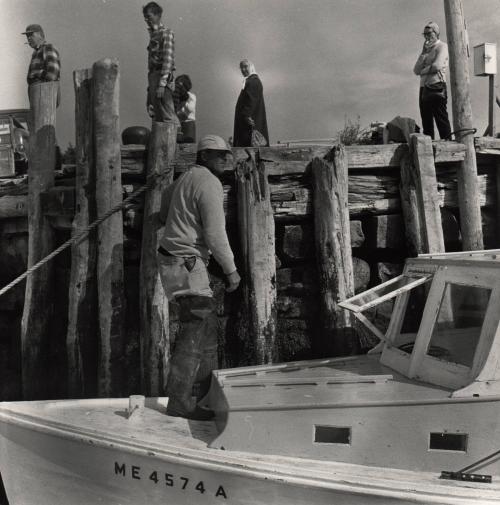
[328,383]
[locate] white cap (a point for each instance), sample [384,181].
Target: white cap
[213,142]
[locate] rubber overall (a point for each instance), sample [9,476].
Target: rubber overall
[194,356]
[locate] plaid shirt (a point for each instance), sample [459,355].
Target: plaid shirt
[45,64]
[161,54]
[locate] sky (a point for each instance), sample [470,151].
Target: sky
[322,62]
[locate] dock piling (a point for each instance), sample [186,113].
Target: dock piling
[470,212]
[257,238]
[154,316]
[39,297]
[333,247]
[82,334]
[110,233]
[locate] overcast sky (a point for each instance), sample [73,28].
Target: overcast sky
[320,61]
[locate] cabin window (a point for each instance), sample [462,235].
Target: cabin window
[417,298]
[332,434]
[458,325]
[448,442]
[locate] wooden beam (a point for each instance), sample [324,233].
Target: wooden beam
[105,74]
[470,212]
[424,176]
[82,334]
[154,336]
[256,226]
[487,145]
[39,297]
[294,161]
[333,248]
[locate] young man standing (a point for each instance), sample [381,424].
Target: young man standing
[193,213]
[161,66]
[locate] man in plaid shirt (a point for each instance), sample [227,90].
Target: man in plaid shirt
[45,64]
[161,66]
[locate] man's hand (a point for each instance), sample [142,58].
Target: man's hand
[160,91]
[233,281]
[151,111]
[250,121]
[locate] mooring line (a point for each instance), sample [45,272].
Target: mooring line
[85,232]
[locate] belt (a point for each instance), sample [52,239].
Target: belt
[163,251]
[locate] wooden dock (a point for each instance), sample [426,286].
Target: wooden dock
[326,221]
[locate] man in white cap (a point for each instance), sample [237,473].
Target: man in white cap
[195,227]
[431,67]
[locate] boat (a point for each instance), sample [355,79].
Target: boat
[416,420]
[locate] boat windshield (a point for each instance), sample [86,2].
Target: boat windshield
[458,325]
[401,285]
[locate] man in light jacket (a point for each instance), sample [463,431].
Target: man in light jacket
[192,209]
[431,67]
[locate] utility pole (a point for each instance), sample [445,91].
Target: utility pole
[470,211]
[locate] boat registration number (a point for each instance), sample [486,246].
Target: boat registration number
[169,480]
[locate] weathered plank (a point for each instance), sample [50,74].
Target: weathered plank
[82,332]
[105,74]
[333,248]
[410,208]
[39,297]
[424,175]
[257,237]
[154,327]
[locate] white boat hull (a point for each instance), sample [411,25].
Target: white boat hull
[44,462]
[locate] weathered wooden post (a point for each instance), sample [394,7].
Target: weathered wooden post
[333,247]
[82,335]
[39,298]
[423,179]
[470,211]
[410,207]
[105,74]
[256,226]
[155,340]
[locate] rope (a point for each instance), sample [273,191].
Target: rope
[150,179]
[465,131]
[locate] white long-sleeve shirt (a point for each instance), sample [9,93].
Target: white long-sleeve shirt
[195,224]
[431,64]
[187,111]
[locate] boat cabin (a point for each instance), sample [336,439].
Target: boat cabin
[426,398]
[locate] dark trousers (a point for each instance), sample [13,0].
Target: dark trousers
[195,353]
[163,107]
[433,108]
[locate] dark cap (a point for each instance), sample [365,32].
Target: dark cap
[32,29]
